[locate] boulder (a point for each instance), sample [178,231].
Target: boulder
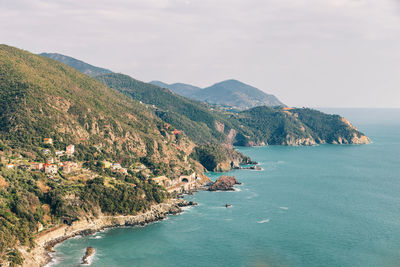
[224,183]
[89,252]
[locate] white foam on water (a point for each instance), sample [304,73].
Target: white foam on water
[252,194]
[96,237]
[54,260]
[260,170]
[284,208]
[264,221]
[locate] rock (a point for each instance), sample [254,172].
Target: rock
[224,183]
[89,252]
[255,167]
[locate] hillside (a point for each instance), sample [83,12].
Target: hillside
[229,93]
[182,89]
[295,126]
[72,148]
[257,126]
[77,64]
[194,118]
[236,94]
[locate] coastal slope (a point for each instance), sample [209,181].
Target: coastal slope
[262,125]
[72,148]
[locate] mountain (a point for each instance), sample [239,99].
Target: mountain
[257,126]
[182,89]
[77,64]
[46,106]
[229,93]
[106,145]
[193,117]
[236,94]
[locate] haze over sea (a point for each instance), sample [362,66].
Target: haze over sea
[327,205]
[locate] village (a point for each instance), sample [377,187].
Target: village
[57,163]
[62,162]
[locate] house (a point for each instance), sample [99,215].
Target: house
[10,166]
[116,166]
[70,149]
[50,169]
[176,132]
[46,151]
[59,153]
[37,166]
[69,166]
[48,141]
[50,160]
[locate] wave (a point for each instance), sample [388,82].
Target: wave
[264,221]
[96,237]
[54,260]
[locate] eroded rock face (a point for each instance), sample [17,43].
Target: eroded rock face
[224,183]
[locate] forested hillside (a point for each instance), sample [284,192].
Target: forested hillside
[72,147]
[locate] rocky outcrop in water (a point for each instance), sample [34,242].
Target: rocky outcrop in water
[89,252]
[224,183]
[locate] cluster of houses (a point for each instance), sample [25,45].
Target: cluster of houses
[51,168]
[115,167]
[52,165]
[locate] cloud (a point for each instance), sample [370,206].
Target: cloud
[293,48]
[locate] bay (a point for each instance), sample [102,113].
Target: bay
[327,205]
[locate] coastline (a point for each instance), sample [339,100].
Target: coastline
[40,254]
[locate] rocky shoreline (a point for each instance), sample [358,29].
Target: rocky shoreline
[39,256]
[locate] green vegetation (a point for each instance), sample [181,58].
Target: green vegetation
[259,125]
[29,200]
[229,93]
[41,98]
[193,117]
[77,64]
[209,156]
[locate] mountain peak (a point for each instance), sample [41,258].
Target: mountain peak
[81,66]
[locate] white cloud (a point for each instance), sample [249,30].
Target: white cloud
[301,50]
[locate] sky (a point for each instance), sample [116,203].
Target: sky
[314,53]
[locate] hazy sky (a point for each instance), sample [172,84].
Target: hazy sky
[320,53]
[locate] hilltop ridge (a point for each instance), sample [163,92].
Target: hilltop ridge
[229,93]
[77,64]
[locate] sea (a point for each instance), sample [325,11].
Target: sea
[326,205]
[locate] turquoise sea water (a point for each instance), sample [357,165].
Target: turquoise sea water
[328,205]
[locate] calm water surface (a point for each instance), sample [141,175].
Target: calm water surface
[327,205]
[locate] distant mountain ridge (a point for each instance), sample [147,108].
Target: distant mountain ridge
[79,65]
[261,125]
[182,89]
[231,93]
